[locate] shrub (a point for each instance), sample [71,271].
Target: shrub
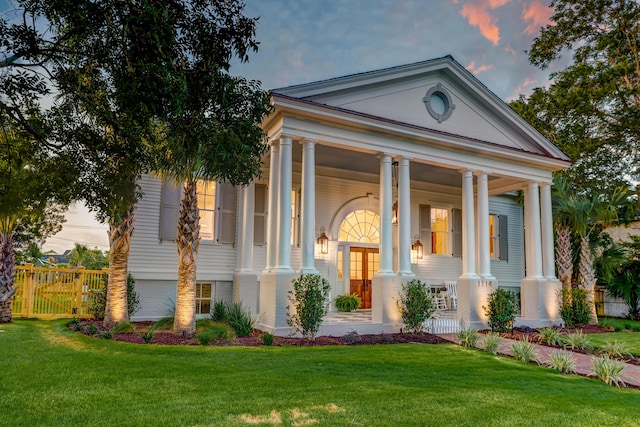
[267,339]
[415,305]
[551,336]
[147,336]
[74,324]
[92,329]
[608,370]
[468,337]
[617,350]
[107,335]
[575,308]
[562,361]
[524,350]
[348,302]
[219,311]
[239,319]
[578,340]
[308,298]
[502,309]
[164,324]
[122,327]
[492,342]
[98,301]
[218,331]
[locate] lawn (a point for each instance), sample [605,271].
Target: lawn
[620,324]
[52,376]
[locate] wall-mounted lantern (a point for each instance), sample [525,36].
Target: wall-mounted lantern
[418,248]
[323,241]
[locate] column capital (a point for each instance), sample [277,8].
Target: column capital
[480,172]
[385,156]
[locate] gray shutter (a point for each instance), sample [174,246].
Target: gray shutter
[260,216]
[169,206]
[425,228]
[456,232]
[227,213]
[503,238]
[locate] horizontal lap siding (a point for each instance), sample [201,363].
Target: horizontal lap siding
[510,273]
[155,260]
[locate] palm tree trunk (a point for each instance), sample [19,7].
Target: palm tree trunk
[564,255]
[587,276]
[187,242]
[7,275]
[116,310]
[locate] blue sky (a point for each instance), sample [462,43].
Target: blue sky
[309,40]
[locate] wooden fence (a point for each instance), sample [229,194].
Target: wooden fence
[50,293]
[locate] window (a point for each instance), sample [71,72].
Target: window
[440,231]
[360,226]
[295,218]
[217,205]
[203,298]
[260,215]
[498,237]
[207,204]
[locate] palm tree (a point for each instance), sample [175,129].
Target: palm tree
[583,214]
[7,268]
[563,220]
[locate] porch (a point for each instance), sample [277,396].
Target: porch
[338,323]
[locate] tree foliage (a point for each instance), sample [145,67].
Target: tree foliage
[91,259]
[592,108]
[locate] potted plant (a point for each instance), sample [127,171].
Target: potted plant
[348,302]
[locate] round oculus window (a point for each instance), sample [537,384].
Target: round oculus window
[438,103]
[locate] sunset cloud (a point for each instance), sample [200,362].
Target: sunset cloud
[528,82]
[478,14]
[476,70]
[537,14]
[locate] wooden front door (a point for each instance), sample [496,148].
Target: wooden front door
[364,264]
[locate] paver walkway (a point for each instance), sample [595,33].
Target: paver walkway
[584,362]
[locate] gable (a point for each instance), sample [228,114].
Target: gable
[399,94]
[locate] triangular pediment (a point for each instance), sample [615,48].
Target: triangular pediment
[439,95]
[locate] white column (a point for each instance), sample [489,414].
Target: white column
[546,211]
[283,238]
[532,231]
[308,213]
[272,213]
[404,218]
[386,236]
[246,230]
[468,221]
[484,247]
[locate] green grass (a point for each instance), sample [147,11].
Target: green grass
[630,339]
[51,376]
[620,324]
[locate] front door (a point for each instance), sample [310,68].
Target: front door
[364,264]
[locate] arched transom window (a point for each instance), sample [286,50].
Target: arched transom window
[360,226]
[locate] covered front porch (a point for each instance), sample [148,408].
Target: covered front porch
[445,178]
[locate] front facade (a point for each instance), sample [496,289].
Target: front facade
[372,180]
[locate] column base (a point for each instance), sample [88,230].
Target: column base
[246,290]
[273,301]
[473,295]
[385,294]
[540,301]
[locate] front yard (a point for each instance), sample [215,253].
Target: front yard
[52,376]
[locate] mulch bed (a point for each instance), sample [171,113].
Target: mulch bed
[255,338]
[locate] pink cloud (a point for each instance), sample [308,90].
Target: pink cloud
[477,70]
[524,85]
[538,15]
[510,50]
[478,14]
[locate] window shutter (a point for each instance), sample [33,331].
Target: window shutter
[260,216]
[503,238]
[456,232]
[169,206]
[227,213]
[425,228]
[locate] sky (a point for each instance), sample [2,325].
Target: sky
[309,40]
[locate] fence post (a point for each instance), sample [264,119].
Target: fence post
[77,292]
[28,291]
